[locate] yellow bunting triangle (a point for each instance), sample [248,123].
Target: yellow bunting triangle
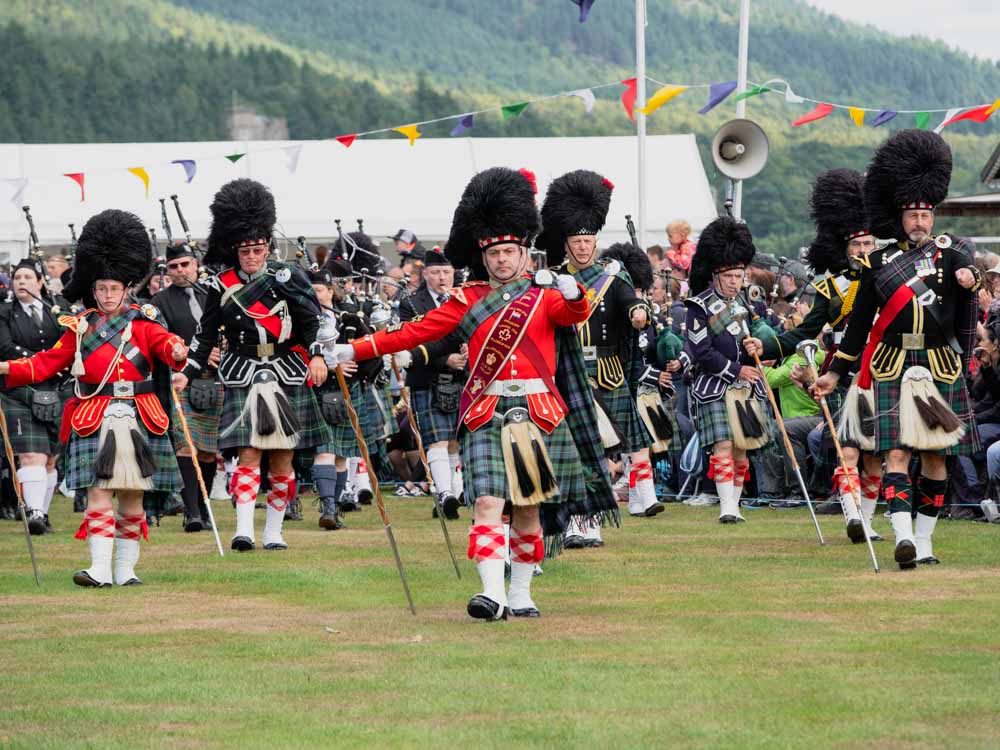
[143,175]
[995,106]
[410,131]
[661,97]
[858,115]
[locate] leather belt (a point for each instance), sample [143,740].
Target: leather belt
[517,387]
[264,350]
[126,389]
[914,341]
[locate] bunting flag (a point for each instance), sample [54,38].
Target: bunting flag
[346,140]
[17,184]
[753,91]
[77,177]
[465,123]
[977,114]
[586,96]
[857,115]
[235,157]
[717,94]
[791,97]
[661,97]
[883,117]
[628,96]
[585,6]
[143,175]
[410,131]
[948,117]
[512,110]
[822,110]
[921,120]
[189,167]
[292,154]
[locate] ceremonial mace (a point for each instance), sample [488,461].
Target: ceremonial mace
[17,489]
[784,433]
[197,468]
[808,350]
[375,485]
[405,392]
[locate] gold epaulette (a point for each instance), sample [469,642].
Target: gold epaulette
[823,286]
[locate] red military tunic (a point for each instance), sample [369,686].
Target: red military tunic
[553,311]
[85,416]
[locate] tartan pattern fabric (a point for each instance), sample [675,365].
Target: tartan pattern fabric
[870,486]
[343,442]
[314,429]
[930,495]
[486,542]
[721,468]
[97,523]
[639,471]
[82,452]
[712,422]
[620,407]
[246,484]
[484,474]
[282,490]
[896,492]
[956,395]
[27,434]
[741,471]
[370,417]
[131,527]
[526,547]
[846,482]
[203,425]
[434,424]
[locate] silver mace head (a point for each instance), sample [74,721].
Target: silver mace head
[807,349]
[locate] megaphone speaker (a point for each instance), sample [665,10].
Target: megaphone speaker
[739,149]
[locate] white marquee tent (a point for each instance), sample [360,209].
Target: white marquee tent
[388,183]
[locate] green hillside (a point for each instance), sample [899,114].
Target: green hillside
[134,70]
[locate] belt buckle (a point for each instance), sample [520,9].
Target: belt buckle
[123,389]
[913,341]
[512,389]
[265,350]
[590,352]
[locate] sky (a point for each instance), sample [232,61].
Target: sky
[970,25]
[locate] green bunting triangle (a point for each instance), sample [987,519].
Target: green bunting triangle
[921,120]
[750,92]
[513,110]
[235,157]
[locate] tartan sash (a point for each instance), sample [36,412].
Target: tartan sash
[112,330]
[248,296]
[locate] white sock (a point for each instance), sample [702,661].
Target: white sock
[272,525]
[735,495]
[52,479]
[244,520]
[520,585]
[126,558]
[726,505]
[592,531]
[33,486]
[352,470]
[491,574]
[437,458]
[923,528]
[868,509]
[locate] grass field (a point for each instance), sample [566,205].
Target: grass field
[678,633]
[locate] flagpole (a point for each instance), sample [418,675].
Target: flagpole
[741,86]
[640,80]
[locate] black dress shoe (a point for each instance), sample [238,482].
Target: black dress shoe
[83,578]
[242,543]
[276,546]
[729,519]
[48,525]
[828,508]
[593,542]
[526,612]
[653,510]
[193,524]
[449,504]
[574,541]
[856,531]
[365,497]
[133,581]
[483,608]
[929,560]
[36,523]
[905,554]
[877,537]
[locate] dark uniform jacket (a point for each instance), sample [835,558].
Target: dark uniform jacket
[21,337]
[714,345]
[431,359]
[174,305]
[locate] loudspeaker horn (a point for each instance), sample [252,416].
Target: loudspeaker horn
[739,149]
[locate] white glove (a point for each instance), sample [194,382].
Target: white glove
[567,285]
[343,353]
[403,359]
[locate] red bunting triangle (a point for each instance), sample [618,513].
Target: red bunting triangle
[821,111]
[77,177]
[978,114]
[346,140]
[628,96]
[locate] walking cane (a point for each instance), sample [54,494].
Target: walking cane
[808,350]
[197,468]
[784,435]
[17,491]
[423,459]
[375,485]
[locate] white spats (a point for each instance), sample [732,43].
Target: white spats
[902,526]
[33,487]
[923,529]
[491,574]
[101,549]
[126,558]
[51,480]
[457,480]
[244,520]
[437,458]
[520,587]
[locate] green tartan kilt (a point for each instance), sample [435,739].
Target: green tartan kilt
[343,442]
[27,434]
[712,421]
[620,407]
[82,453]
[956,395]
[435,425]
[370,416]
[485,474]
[313,428]
[391,426]
[203,425]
